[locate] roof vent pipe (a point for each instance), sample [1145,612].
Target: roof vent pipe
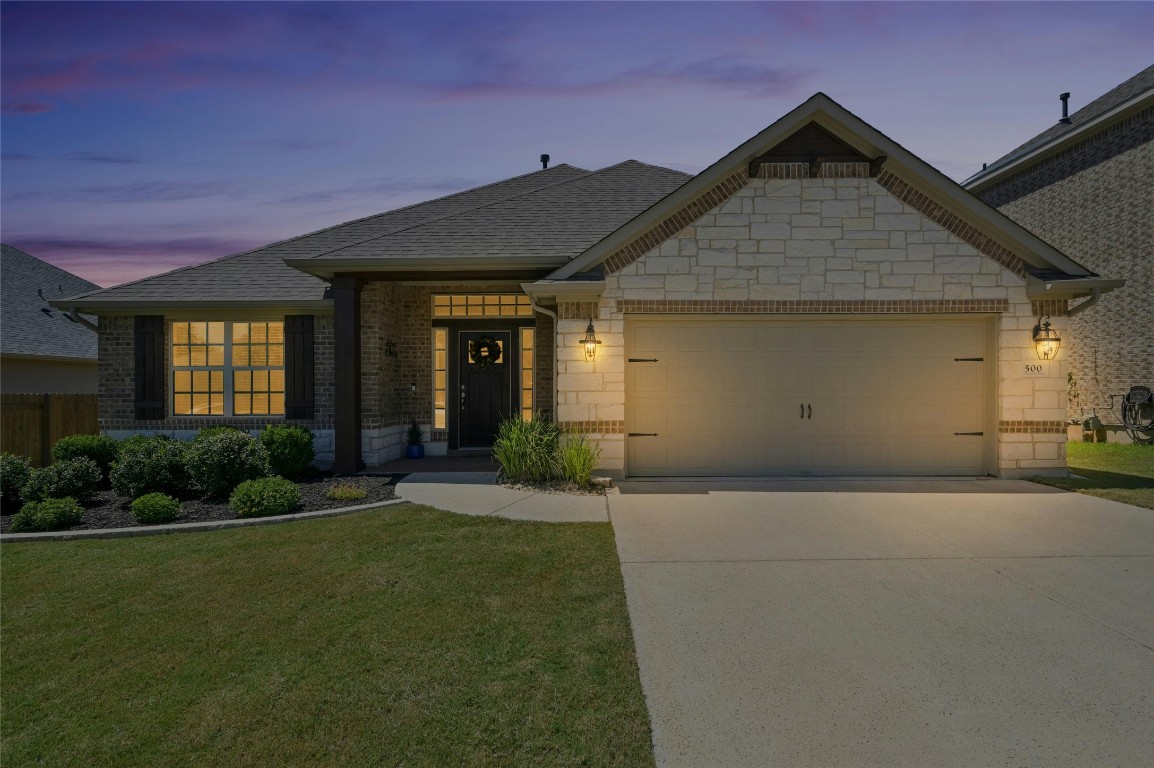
[544,162]
[1065,97]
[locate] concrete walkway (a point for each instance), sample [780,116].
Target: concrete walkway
[895,623]
[476,493]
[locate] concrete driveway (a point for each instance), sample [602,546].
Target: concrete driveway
[896,623]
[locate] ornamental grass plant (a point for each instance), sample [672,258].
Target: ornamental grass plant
[577,457]
[527,450]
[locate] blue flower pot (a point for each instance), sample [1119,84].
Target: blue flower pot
[415,452]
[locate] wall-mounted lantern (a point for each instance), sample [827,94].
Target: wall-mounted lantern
[1046,341]
[590,342]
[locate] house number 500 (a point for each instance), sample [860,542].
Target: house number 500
[1035,369]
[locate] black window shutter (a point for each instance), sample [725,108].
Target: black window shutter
[298,367]
[150,368]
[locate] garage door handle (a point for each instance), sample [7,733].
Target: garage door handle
[643,359]
[802,415]
[968,359]
[809,409]
[643,434]
[968,433]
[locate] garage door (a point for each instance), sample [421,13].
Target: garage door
[750,397]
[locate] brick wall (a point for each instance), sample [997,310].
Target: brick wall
[816,246]
[1094,203]
[117,366]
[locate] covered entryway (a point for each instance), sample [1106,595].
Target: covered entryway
[751,396]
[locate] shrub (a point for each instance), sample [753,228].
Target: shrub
[577,458]
[155,508]
[150,465]
[347,492]
[414,434]
[100,448]
[208,432]
[290,449]
[526,450]
[264,497]
[222,461]
[76,478]
[48,515]
[14,473]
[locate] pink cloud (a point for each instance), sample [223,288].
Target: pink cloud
[26,107]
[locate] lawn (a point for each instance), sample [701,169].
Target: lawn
[1111,470]
[398,636]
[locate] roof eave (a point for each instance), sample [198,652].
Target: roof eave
[328,268]
[47,358]
[564,290]
[984,179]
[140,307]
[1038,288]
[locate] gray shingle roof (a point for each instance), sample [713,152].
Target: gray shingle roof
[25,329]
[1135,86]
[554,213]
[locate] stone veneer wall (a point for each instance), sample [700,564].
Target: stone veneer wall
[816,246]
[1094,203]
[116,398]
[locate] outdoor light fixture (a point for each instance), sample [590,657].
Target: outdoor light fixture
[590,342]
[1046,342]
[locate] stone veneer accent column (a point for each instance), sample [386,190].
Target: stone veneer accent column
[819,246]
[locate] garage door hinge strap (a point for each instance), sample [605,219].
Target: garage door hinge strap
[968,359]
[643,434]
[968,433]
[643,359]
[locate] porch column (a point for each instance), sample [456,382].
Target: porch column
[347,371]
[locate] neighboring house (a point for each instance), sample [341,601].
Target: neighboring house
[818,301]
[1084,186]
[41,350]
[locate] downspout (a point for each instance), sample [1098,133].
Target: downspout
[538,308]
[1095,294]
[75,317]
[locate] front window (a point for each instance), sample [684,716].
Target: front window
[228,368]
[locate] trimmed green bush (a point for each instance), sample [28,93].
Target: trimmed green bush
[155,508]
[290,449]
[76,478]
[264,497]
[100,448]
[48,515]
[577,457]
[14,473]
[149,465]
[208,432]
[220,462]
[527,450]
[347,492]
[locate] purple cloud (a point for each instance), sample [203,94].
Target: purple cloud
[25,107]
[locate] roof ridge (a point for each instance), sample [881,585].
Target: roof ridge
[319,231]
[631,161]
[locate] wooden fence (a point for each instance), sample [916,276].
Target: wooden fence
[31,424]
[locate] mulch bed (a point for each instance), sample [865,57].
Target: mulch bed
[111,511]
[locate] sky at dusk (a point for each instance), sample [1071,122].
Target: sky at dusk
[139,137]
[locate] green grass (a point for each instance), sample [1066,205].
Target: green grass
[399,636]
[1113,471]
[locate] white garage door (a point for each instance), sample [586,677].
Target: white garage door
[718,396]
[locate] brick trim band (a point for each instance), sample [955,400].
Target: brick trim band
[576,310]
[938,214]
[813,307]
[594,427]
[674,223]
[1053,307]
[182,424]
[854,170]
[1032,427]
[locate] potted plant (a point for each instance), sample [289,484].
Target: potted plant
[415,436]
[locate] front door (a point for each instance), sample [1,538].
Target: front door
[485,362]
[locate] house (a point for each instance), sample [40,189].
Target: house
[1083,185]
[42,351]
[818,301]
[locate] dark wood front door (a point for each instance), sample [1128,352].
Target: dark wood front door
[485,360]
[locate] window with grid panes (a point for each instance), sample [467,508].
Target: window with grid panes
[228,368]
